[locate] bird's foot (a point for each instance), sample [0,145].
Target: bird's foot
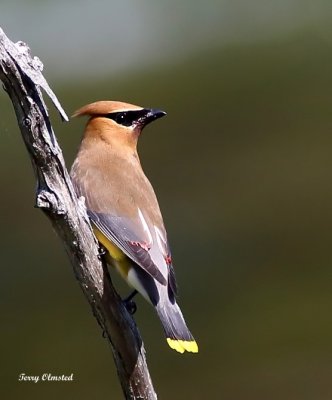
[102,252]
[130,304]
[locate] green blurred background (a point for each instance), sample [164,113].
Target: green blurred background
[242,169]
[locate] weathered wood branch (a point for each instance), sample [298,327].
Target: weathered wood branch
[23,80]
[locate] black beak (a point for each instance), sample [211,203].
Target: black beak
[151,115]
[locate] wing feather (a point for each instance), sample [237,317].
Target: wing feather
[120,231]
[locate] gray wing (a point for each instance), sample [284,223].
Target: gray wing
[132,240]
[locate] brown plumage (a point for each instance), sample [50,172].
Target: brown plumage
[124,210]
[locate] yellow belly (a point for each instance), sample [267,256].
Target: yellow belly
[118,259]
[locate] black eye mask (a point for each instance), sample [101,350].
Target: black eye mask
[127,118]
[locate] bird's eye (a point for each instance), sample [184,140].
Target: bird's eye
[121,118]
[126,118]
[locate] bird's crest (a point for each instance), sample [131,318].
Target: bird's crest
[104,107]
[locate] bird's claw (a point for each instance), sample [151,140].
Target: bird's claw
[130,306]
[102,252]
[129,303]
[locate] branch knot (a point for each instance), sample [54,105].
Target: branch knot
[48,201]
[27,122]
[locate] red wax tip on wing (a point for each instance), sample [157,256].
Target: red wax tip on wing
[144,246]
[168,259]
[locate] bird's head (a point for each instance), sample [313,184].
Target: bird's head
[117,121]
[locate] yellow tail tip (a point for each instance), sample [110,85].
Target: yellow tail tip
[182,345]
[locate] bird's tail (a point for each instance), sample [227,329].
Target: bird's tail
[178,335]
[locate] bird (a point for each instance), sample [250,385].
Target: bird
[124,211]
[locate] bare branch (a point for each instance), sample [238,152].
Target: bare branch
[23,80]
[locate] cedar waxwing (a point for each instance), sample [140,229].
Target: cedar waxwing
[124,210]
